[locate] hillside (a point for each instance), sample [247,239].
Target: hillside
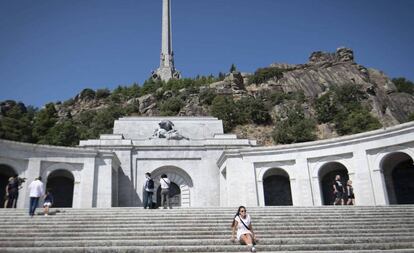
[328,96]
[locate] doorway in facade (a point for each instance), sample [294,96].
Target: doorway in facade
[327,178]
[5,173]
[398,171]
[175,195]
[61,183]
[276,188]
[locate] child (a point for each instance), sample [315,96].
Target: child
[48,202]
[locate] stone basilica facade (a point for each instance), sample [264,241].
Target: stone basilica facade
[210,168]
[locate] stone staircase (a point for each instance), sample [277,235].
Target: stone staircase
[279,229]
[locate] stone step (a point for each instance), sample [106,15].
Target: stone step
[189,242]
[198,234]
[315,229]
[218,235]
[217,248]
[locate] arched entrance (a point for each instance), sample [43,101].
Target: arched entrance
[175,195]
[398,171]
[5,173]
[61,183]
[181,184]
[276,188]
[327,175]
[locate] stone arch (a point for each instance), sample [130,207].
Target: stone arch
[398,172]
[326,175]
[6,171]
[276,188]
[61,184]
[177,176]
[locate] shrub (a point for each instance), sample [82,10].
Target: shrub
[294,128]
[404,85]
[87,94]
[264,74]
[225,109]
[171,106]
[102,93]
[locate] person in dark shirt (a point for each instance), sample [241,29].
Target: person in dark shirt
[338,191]
[13,192]
[350,193]
[48,202]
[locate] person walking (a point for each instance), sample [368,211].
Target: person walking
[242,223]
[36,191]
[165,191]
[148,191]
[48,202]
[338,191]
[350,193]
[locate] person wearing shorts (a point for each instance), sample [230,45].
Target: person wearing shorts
[48,202]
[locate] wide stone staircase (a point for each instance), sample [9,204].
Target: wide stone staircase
[279,229]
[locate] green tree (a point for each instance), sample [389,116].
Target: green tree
[404,85]
[356,121]
[225,109]
[171,106]
[254,110]
[262,75]
[87,94]
[294,128]
[44,120]
[63,134]
[207,96]
[15,124]
[233,68]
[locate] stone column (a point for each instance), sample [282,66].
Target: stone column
[32,172]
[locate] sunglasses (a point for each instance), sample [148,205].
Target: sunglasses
[242,211]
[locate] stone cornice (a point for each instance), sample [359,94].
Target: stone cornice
[35,148]
[355,139]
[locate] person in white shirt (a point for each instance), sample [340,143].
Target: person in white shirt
[165,191]
[36,191]
[242,223]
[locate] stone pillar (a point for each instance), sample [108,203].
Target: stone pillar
[300,185]
[104,182]
[88,184]
[361,179]
[32,172]
[241,183]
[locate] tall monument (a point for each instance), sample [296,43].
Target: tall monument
[166,71]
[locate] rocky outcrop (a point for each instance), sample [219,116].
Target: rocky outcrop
[325,70]
[314,78]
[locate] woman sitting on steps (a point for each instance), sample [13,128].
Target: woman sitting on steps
[245,234]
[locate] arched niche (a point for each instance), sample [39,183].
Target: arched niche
[276,188]
[61,184]
[6,172]
[398,172]
[178,177]
[327,175]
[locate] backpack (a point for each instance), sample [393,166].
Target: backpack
[150,184]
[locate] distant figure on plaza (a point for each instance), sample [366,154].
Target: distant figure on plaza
[12,192]
[36,191]
[350,193]
[339,191]
[245,234]
[6,196]
[48,202]
[148,191]
[165,191]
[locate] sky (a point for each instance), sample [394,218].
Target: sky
[50,50]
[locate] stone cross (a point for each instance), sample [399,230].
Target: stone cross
[166,71]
